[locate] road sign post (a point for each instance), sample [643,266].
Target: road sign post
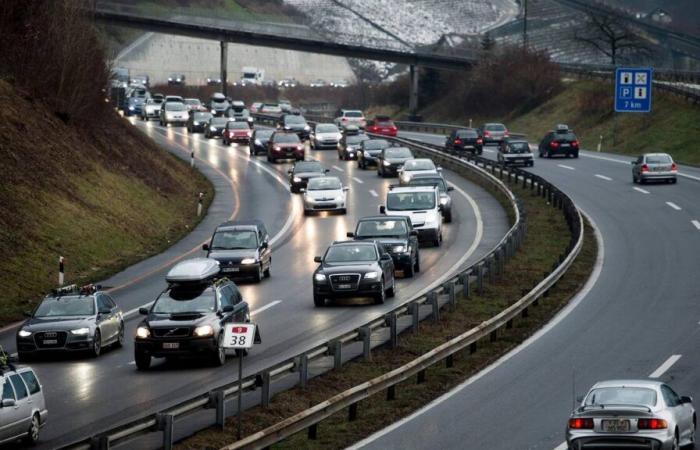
[633,89]
[241,337]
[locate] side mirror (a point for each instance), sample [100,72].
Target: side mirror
[8,402]
[264,244]
[326,170]
[228,309]
[317,259]
[290,171]
[205,247]
[440,208]
[439,168]
[413,233]
[105,311]
[143,311]
[382,209]
[386,257]
[350,234]
[450,188]
[686,399]
[346,188]
[633,162]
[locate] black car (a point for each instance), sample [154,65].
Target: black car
[215,127]
[198,121]
[242,249]
[187,318]
[464,140]
[349,145]
[428,179]
[294,123]
[72,319]
[301,172]
[354,269]
[515,151]
[176,79]
[370,149]
[391,159]
[396,235]
[561,141]
[259,140]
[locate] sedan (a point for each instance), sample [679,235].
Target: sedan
[463,140]
[285,146]
[415,167]
[369,151]
[198,122]
[381,125]
[259,140]
[515,152]
[349,146]
[493,133]
[302,172]
[391,160]
[654,167]
[324,194]
[632,414]
[215,127]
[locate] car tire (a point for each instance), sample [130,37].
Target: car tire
[549,154]
[319,301]
[641,180]
[32,436]
[260,275]
[380,298]
[294,190]
[119,343]
[410,270]
[343,211]
[24,357]
[575,154]
[96,345]
[391,292]
[448,217]
[142,360]
[218,357]
[416,265]
[674,180]
[267,272]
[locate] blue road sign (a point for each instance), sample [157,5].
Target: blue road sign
[633,89]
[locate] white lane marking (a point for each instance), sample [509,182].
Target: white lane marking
[561,446]
[338,168]
[565,167]
[488,150]
[643,191]
[373,193]
[603,177]
[674,206]
[665,366]
[597,269]
[688,176]
[696,223]
[263,308]
[358,180]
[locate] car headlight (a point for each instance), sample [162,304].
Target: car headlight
[248,261]
[204,331]
[339,198]
[195,123]
[320,277]
[286,127]
[387,163]
[212,128]
[213,111]
[80,331]
[257,142]
[366,154]
[398,249]
[297,180]
[24,333]
[371,275]
[142,332]
[250,119]
[307,128]
[131,108]
[443,201]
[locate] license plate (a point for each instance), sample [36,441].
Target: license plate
[50,341]
[616,426]
[659,169]
[344,286]
[564,145]
[231,269]
[171,345]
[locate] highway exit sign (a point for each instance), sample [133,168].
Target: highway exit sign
[633,89]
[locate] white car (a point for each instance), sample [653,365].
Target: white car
[417,166]
[421,204]
[325,135]
[173,113]
[351,117]
[325,194]
[23,409]
[151,110]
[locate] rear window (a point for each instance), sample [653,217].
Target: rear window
[385,123]
[495,127]
[31,382]
[566,136]
[621,396]
[519,146]
[467,133]
[659,159]
[356,114]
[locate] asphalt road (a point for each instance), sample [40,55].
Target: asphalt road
[643,308]
[85,396]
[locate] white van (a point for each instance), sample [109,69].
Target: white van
[23,409]
[421,204]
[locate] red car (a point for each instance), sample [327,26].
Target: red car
[236,132]
[284,145]
[381,125]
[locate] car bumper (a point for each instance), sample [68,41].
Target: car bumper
[658,175]
[562,151]
[350,154]
[240,269]
[152,114]
[521,158]
[244,138]
[392,170]
[365,289]
[189,346]
[72,343]
[259,149]
[287,154]
[323,206]
[427,234]
[628,442]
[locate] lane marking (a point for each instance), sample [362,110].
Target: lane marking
[561,446]
[373,193]
[643,191]
[565,167]
[665,366]
[488,150]
[674,206]
[358,180]
[339,169]
[263,308]
[696,223]
[603,177]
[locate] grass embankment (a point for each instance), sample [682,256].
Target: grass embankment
[103,197]
[540,249]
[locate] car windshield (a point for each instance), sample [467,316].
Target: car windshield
[139,93]
[202,116]
[375,144]
[381,228]
[238,126]
[520,146]
[327,129]
[659,159]
[439,182]
[186,298]
[356,139]
[495,127]
[219,121]
[410,201]
[399,152]
[271,105]
[295,120]
[263,134]
[66,306]
[234,240]
[324,184]
[192,101]
[419,164]
[286,138]
[308,167]
[356,114]
[173,106]
[350,253]
[467,134]
[621,396]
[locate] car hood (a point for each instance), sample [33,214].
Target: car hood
[328,136]
[397,160]
[180,320]
[224,256]
[361,267]
[331,194]
[56,323]
[309,174]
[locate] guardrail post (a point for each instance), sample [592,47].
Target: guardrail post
[524,313]
[366,334]
[218,400]
[337,350]
[450,361]
[415,316]
[464,280]
[264,390]
[313,431]
[393,334]
[303,370]
[524,180]
[165,424]
[420,378]
[391,393]
[492,268]
[493,336]
[480,278]
[99,443]
[433,300]
[472,348]
[451,297]
[352,412]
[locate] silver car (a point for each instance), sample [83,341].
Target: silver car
[654,166]
[325,194]
[23,409]
[642,414]
[325,135]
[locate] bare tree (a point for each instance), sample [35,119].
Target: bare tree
[610,35]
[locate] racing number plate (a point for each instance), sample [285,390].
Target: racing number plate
[616,426]
[171,345]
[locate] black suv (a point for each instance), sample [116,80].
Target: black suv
[396,235]
[294,123]
[561,141]
[188,317]
[369,151]
[391,159]
[354,269]
[301,172]
[465,139]
[242,249]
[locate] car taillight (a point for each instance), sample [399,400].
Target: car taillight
[581,424]
[479,141]
[574,143]
[487,134]
[344,119]
[652,424]
[644,168]
[299,147]
[458,141]
[505,133]
[554,144]
[674,168]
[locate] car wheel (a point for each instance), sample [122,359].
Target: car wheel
[675,445]
[381,296]
[448,217]
[340,156]
[294,190]
[96,345]
[343,211]
[409,270]
[379,172]
[417,263]
[575,154]
[269,159]
[549,155]
[319,300]
[674,180]
[218,358]
[120,337]
[33,432]
[260,275]
[142,360]
[24,357]
[641,180]
[392,290]
[267,271]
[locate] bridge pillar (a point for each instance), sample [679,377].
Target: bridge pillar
[413,95]
[224,62]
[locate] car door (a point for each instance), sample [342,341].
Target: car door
[10,416]
[116,314]
[681,413]
[22,411]
[105,319]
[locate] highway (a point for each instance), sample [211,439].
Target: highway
[86,395]
[639,317]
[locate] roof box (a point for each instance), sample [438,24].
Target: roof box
[193,270]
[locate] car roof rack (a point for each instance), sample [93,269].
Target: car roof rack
[6,362]
[73,289]
[195,270]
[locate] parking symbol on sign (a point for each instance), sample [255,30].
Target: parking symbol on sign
[640,92]
[626,92]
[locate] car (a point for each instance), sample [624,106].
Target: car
[283,145]
[270,108]
[325,135]
[515,151]
[285,105]
[287,83]
[561,141]
[239,112]
[464,140]
[340,83]
[422,205]
[71,319]
[632,414]
[143,80]
[369,151]
[218,104]
[654,167]
[159,97]
[294,123]
[324,194]
[350,117]
[173,99]
[151,109]
[255,107]
[417,166]
[176,79]
[354,269]
[302,171]
[391,160]
[318,83]
[213,80]
[428,179]
[23,408]
[193,104]
[173,113]
[215,127]
[198,121]
[242,249]
[493,133]
[349,145]
[188,317]
[382,125]
[259,140]
[236,132]
[137,98]
[396,235]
